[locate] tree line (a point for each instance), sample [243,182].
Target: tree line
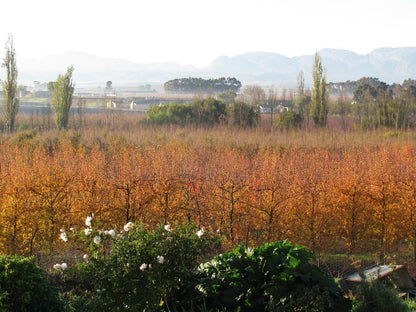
[192,85]
[207,111]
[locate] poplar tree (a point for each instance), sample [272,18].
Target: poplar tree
[10,88]
[319,107]
[63,88]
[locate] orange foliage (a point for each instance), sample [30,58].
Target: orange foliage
[329,199]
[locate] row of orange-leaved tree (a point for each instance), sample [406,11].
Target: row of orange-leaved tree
[356,199]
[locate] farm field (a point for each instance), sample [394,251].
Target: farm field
[335,192]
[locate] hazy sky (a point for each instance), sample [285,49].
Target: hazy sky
[196,32]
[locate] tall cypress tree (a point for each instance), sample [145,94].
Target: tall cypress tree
[10,100]
[62,98]
[319,107]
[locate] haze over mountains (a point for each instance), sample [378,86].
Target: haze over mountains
[391,65]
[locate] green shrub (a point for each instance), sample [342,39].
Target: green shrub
[378,296]
[243,115]
[24,287]
[135,270]
[171,113]
[289,120]
[201,112]
[274,277]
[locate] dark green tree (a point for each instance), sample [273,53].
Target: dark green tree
[208,111]
[62,98]
[361,91]
[319,105]
[10,88]
[243,115]
[289,120]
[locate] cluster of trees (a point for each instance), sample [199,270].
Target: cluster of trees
[383,106]
[192,85]
[205,112]
[350,86]
[376,103]
[62,90]
[355,199]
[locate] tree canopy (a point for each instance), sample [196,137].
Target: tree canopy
[191,85]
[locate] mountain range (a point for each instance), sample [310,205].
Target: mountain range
[391,65]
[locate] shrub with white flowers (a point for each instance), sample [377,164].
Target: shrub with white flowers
[139,268]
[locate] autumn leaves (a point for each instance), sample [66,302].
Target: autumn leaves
[329,199]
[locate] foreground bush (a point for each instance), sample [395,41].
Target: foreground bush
[274,277]
[135,270]
[25,287]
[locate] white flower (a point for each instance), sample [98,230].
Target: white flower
[88,231]
[97,240]
[200,232]
[160,259]
[64,266]
[129,226]
[57,266]
[85,257]
[63,236]
[88,220]
[167,227]
[143,267]
[112,233]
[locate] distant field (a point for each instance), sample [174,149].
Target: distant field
[36,100]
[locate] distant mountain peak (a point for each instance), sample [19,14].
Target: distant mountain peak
[387,64]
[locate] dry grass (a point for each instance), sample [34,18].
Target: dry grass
[130,129]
